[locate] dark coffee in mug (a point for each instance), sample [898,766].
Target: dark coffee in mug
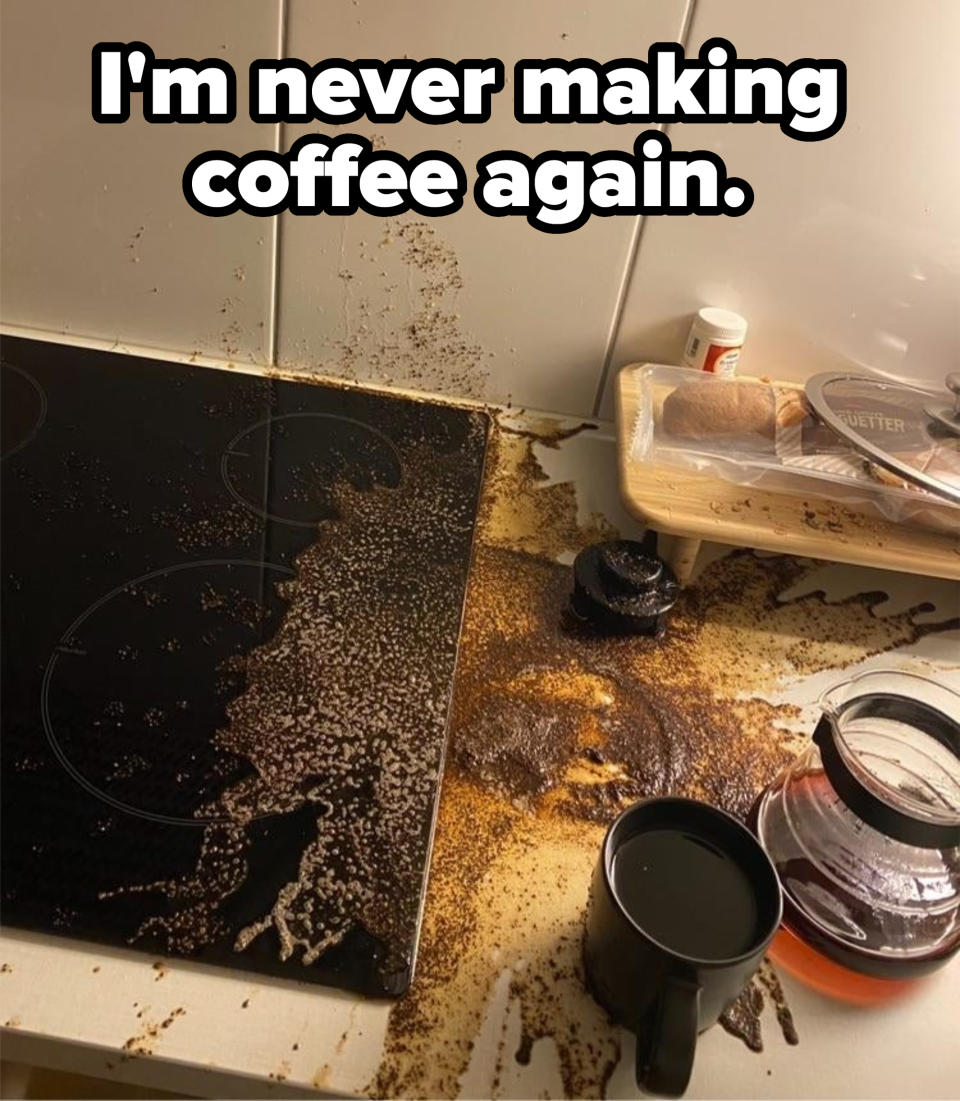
[683,904]
[686,893]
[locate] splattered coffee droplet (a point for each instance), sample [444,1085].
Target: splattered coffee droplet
[742,1019]
[523,1051]
[771,983]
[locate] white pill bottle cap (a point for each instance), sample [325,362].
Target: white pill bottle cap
[719,324]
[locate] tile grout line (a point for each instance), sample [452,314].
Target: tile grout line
[274,294]
[273,331]
[633,252]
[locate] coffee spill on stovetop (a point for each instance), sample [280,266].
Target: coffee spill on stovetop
[553,732]
[340,720]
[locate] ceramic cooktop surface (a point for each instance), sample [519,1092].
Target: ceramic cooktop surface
[231,610]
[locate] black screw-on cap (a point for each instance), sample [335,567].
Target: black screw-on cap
[622,587]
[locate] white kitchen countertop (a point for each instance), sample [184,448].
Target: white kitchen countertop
[185,1027]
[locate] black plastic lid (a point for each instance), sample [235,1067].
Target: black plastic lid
[623,587]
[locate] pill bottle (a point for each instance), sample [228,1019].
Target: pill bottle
[716,337]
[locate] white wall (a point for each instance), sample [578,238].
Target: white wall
[851,253]
[97,238]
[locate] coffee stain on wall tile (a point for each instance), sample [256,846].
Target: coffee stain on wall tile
[399,322]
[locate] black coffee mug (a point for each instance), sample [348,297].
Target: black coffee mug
[683,904]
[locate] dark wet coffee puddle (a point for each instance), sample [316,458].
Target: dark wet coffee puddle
[533,702]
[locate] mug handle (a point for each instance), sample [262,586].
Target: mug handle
[665,1061]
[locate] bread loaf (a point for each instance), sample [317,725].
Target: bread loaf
[731,408]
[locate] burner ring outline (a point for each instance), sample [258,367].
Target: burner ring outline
[38,423]
[272,517]
[67,637]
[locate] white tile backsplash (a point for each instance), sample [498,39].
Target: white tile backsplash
[851,253]
[468,304]
[97,237]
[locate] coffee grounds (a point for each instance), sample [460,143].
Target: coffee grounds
[340,719]
[553,732]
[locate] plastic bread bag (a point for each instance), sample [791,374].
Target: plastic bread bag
[754,432]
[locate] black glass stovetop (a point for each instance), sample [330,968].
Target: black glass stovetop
[231,609]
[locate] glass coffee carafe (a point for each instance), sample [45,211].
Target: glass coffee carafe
[864,831]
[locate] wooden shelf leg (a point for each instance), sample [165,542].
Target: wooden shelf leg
[680,554]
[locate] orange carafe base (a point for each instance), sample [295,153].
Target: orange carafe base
[823,975]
